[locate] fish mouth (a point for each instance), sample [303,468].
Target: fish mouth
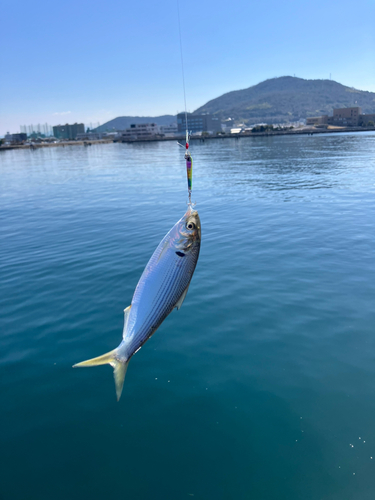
[191,212]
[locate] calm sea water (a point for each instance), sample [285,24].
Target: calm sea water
[261,387]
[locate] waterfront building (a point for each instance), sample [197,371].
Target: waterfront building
[169,130]
[317,120]
[15,138]
[198,123]
[68,131]
[365,119]
[140,131]
[346,116]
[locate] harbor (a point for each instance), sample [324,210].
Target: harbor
[194,138]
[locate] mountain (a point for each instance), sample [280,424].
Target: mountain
[123,122]
[287,99]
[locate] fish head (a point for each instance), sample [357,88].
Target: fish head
[188,234]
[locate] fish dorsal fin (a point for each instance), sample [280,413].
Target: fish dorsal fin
[126,318]
[182,298]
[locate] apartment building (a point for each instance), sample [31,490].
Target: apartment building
[68,131]
[198,123]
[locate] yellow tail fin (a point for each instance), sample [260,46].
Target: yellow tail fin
[119,368]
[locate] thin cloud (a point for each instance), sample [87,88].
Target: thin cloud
[62,113]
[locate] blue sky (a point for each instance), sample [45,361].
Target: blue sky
[91,61]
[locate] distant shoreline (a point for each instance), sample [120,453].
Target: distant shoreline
[312,131]
[57,144]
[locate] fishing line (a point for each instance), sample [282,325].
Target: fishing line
[182,61]
[188,158]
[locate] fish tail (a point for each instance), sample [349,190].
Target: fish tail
[119,368]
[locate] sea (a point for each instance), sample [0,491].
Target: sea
[261,387]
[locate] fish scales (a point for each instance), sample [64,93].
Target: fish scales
[162,287]
[172,287]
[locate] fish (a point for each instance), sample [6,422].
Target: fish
[162,287]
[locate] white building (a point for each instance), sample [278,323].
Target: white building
[169,130]
[140,131]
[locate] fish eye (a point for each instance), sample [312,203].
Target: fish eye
[190,225]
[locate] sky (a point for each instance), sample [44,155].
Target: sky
[91,61]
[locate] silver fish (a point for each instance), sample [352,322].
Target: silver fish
[162,287]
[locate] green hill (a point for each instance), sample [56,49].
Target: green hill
[287,99]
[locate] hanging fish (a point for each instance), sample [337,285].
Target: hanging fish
[162,287]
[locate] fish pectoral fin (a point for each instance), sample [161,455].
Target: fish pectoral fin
[119,368]
[182,298]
